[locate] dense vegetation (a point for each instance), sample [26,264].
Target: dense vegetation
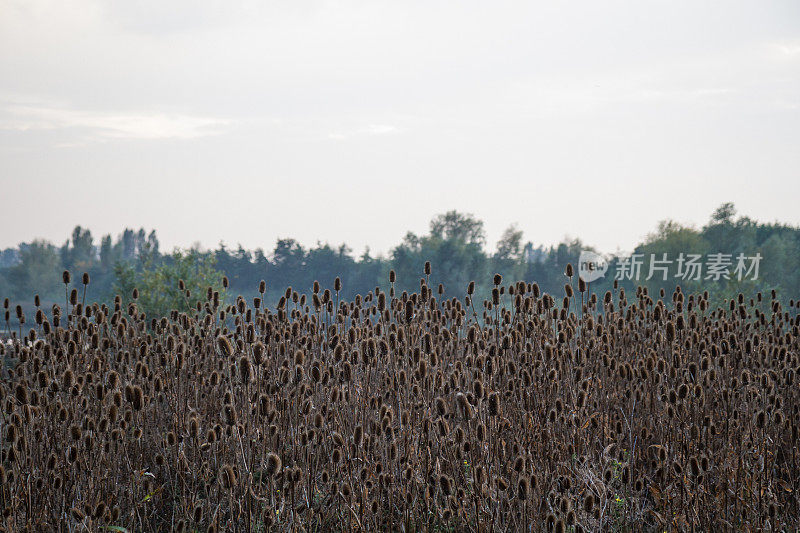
[456,246]
[395,410]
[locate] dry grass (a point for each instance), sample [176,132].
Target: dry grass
[408,411]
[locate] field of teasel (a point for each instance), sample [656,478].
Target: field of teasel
[404,412]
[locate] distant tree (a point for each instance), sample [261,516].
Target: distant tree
[259,258]
[39,270]
[779,265]
[454,247]
[9,257]
[152,243]
[106,253]
[5,285]
[508,260]
[672,239]
[140,242]
[127,244]
[158,282]
[455,226]
[78,253]
[724,214]
[509,247]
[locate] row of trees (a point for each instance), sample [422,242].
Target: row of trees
[455,245]
[35,267]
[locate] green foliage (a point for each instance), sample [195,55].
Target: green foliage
[81,254]
[159,281]
[779,246]
[455,249]
[458,227]
[39,268]
[455,245]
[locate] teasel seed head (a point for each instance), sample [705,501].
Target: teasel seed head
[224,345]
[761,419]
[274,464]
[77,514]
[137,399]
[245,370]
[227,477]
[494,404]
[523,488]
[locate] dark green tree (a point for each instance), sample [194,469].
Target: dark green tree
[159,281]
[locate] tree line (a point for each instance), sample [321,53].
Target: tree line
[455,245]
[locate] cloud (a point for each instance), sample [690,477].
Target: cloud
[100,125]
[683,95]
[379,129]
[787,49]
[372,129]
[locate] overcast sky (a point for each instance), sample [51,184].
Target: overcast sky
[358,121]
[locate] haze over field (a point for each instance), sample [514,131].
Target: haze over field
[326,120]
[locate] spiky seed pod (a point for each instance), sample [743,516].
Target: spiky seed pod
[464,406]
[137,400]
[523,488]
[502,484]
[446,484]
[274,464]
[670,332]
[494,404]
[477,388]
[21,393]
[245,369]
[229,414]
[227,477]
[588,503]
[409,311]
[99,511]
[224,345]
[66,277]
[441,406]
[258,353]
[480,432]
[197,514]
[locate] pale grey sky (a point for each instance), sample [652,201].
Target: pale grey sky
[358,121]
